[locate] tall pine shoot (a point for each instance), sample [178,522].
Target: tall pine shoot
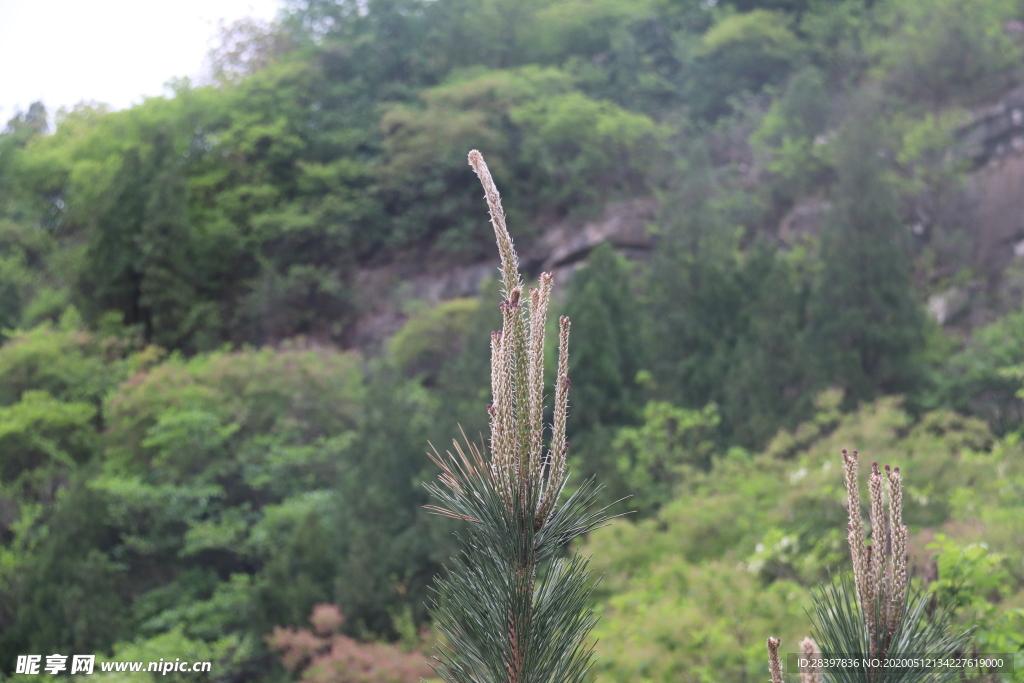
[513,608]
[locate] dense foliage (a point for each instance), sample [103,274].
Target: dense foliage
[194,453]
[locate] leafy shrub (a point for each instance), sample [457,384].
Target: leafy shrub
[432,338]
[562,149]
[693,622]
[655,456]
[945,50]
[746,50]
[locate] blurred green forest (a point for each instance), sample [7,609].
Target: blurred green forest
[194,454]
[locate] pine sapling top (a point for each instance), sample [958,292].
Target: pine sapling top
[513,607]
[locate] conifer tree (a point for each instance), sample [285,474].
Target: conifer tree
[511,608]
[865,323]
[695,300]
[765,386]
[383,536]
[140,262]
[608,352]
[167,274]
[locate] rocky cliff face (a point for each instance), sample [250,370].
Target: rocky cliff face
[389,291]
[992,203]
[989,212]
[994,131]
[987,216]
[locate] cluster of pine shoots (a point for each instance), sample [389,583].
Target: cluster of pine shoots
[866,627]
[514,607]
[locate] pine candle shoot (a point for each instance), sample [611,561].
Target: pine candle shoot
[513,607]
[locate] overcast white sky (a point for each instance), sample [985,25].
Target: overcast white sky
[113,51]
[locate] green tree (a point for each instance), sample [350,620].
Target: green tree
[945,50]
[606,358]
[609,353]
[653,458]
[742,52]
[431,339]
[140,262]
[19,132]
[68,591]
[976,381]
[695,308]
[865,323]
[167,298]
[767,385]
[25,293]
[562,151]
[874,612]
[211,518]
[389,549]
[645,65]
[55,533]
[787,139]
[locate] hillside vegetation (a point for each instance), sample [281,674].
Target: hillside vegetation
[195,458]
